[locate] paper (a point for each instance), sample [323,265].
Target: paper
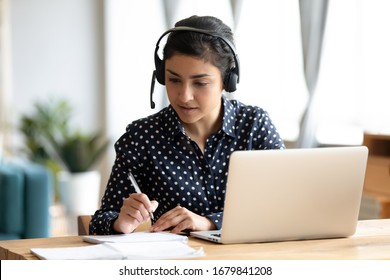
[137,245]
[135,237]
[156,250]
[94,252]
[121,251]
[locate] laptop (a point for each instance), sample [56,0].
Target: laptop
[292,194]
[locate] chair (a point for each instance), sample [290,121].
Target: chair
[26,193]
[83,225]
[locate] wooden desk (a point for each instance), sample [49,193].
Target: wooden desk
[371,241]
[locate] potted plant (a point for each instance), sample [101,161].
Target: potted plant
[48,118]
[50,138]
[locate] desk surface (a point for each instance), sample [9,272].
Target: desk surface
[371,241]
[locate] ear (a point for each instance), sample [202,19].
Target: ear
[230,81]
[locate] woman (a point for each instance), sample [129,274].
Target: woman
[179,156]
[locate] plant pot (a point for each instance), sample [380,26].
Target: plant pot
[79,194]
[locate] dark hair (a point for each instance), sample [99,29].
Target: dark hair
[210,48]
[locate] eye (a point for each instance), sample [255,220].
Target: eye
[201,84]
[174,80]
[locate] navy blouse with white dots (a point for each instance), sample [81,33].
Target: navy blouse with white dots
[170,168]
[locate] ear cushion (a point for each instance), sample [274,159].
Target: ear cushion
[160,69]
[230,81]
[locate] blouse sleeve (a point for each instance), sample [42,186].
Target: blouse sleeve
[216,218]
[118,188]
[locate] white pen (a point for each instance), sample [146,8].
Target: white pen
[138,190]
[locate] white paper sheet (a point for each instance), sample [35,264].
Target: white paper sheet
[121,251]
[138,245]
[135,237]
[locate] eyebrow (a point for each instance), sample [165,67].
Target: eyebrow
[197,76]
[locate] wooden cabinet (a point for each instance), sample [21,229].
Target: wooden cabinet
[377,183]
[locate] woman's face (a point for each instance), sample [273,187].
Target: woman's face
[194,89]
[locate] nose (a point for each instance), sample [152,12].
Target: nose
[186,93]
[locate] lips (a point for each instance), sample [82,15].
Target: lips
[187,110]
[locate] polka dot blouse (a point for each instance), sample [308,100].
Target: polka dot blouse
[170,168]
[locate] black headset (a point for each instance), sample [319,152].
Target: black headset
[231,79]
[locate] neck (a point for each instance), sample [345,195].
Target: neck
[201,130]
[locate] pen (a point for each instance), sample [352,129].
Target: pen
[138,190]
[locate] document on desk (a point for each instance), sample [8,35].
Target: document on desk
[136,237]
[140,246]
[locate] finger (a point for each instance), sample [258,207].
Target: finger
[154,205]
[144,199]
[134,207]
[164,218]
[170,219]
[183,226]
[133,212]
[125,223]
[146,206]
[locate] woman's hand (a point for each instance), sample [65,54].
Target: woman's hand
[134,211]
[180,219]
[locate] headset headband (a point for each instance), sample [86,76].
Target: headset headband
[205,32]
[231,79]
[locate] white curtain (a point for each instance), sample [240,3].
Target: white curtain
[270,51]
[313,18]
[132,29]
[339,90]
[374,44]
[5,72]
[179,9]
[352,94]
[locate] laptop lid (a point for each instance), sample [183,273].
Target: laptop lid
[293,194]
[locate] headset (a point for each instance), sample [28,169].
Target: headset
[231,79]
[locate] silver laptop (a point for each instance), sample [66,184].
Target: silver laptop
[292,194]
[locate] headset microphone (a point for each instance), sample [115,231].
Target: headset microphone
[152,104]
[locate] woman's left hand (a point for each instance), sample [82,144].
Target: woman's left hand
[180,219]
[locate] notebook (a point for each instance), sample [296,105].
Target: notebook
[292,194]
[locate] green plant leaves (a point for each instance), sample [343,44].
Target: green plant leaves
[48,136]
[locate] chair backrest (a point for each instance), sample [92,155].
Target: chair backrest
[83,224]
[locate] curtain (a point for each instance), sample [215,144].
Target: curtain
[5,72]
[313,20]
[268,38]
[179,9]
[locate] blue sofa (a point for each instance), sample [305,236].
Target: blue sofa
[26,193]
